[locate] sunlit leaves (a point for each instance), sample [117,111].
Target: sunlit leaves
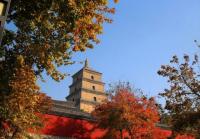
[49,31]
[19,108]
[126,112]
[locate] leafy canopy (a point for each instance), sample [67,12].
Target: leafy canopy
[183,95]
[46,34]
[48,31]
[125,112]
[22,108]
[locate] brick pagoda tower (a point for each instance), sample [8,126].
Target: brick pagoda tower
[87,89]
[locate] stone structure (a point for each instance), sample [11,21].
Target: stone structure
[87,89]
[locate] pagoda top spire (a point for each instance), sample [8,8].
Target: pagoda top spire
[86,63]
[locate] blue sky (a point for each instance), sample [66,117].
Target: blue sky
[144,35]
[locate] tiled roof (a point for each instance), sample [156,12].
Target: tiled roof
[68,109]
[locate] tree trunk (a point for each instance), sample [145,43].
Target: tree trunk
[130,133]
[173,136]
[121,133]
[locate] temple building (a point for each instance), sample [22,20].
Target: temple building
[87,89]
[85,92]
[71,119]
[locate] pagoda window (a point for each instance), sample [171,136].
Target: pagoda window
[93,87]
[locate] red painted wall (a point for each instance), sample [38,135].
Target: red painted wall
[83,129]
[69,127]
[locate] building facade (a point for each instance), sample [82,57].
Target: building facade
[87,89]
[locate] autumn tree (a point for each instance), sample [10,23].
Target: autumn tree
[45,34]
[183,95]
[125,112]
[21,109]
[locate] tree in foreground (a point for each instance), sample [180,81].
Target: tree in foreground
[183,95]
[125,113]
[45,34]
[23,107]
